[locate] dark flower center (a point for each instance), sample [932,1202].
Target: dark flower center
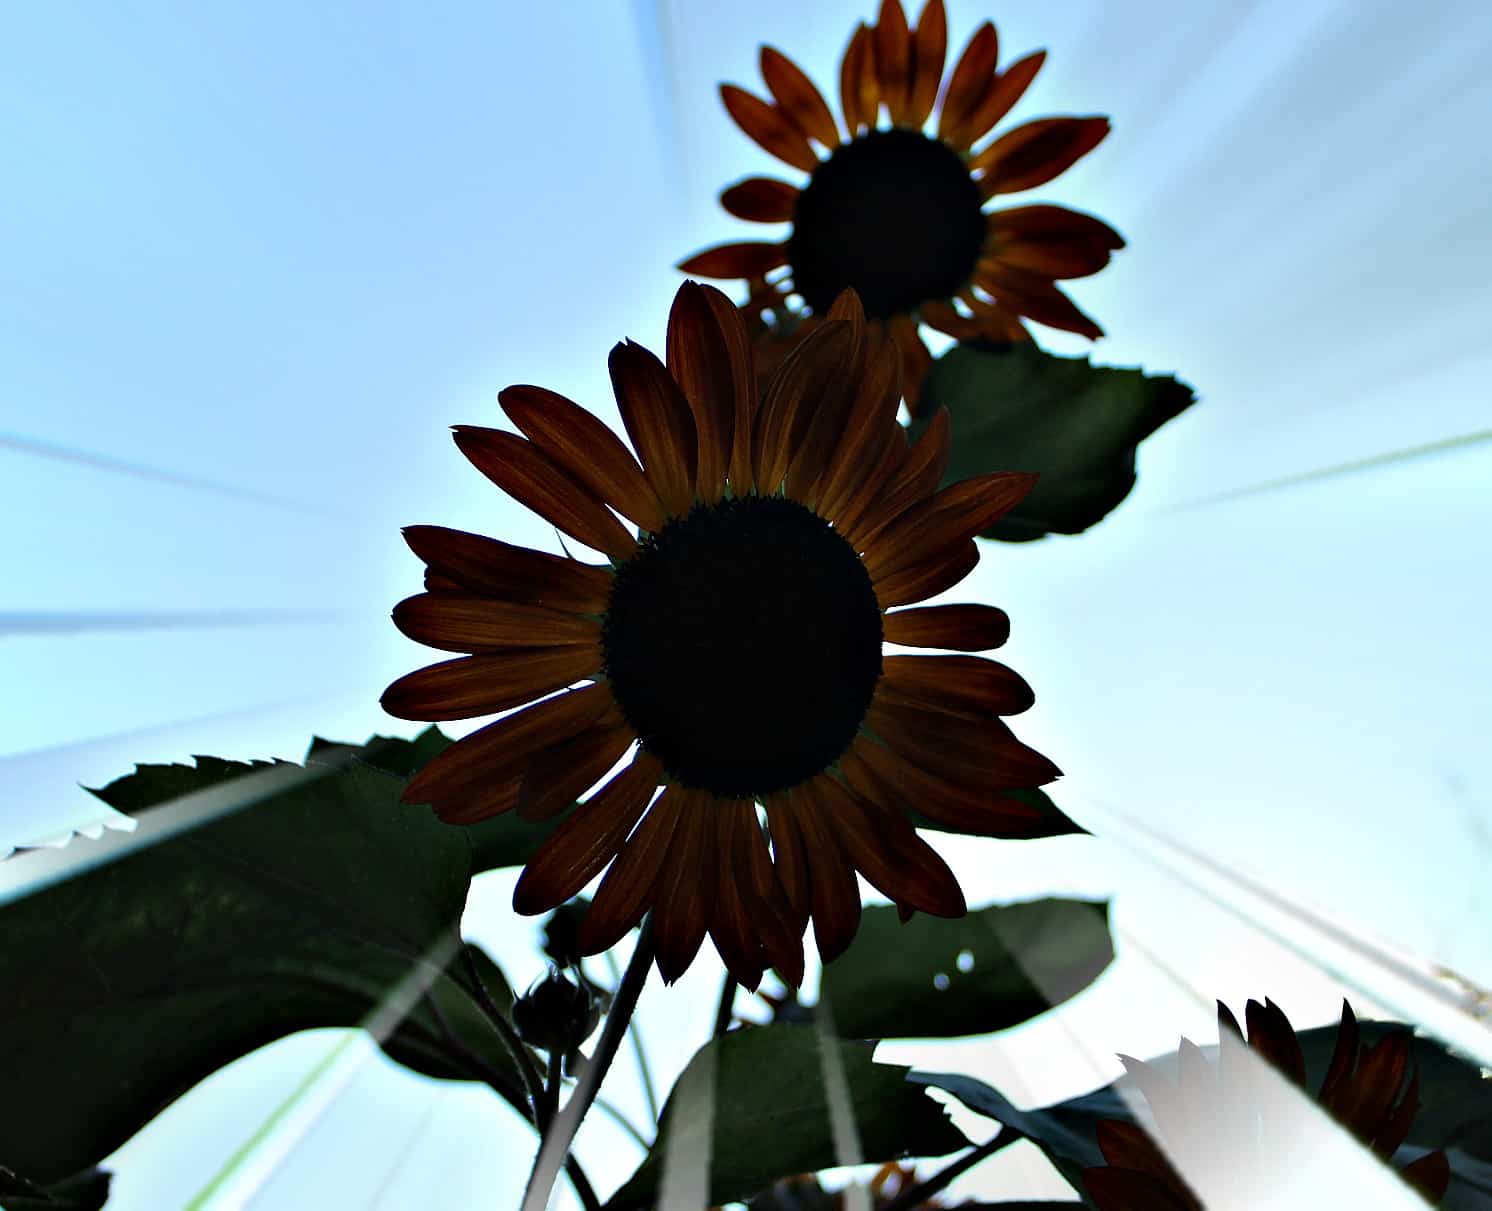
[893,214]
[743,643]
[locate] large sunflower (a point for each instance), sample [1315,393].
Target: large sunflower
[731,649]
[898,214]
[1372,1091]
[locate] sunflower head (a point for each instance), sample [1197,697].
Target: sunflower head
[895,206]
[718,677]
[1372,1091]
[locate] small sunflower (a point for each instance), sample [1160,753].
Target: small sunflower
[731,649]
[1371,1091]
[898,214]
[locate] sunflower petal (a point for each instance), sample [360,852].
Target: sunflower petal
[928,577]
[585,842]
[969,686]
[680,913]
[481,685]
[858,95]
[733,908]
[814,368]
[1051,241]
[554,779]
[463,622]
[700,361]
[504,746]
[746,259]
[626,893]
[473,808]
[983,751]
[518,467]
[585,449]
[1272,1036]
[510,573]
[1001,93]
[909,485]
[760,200]
[1129,1190]
[771,129]
[790,856]
[781,940]
[929,49]
[1033,154]
[971,75]
[871,424]
[745,394]
[947,519]
[833,893]
[1430,1175]
[658,421]
[830,413]
[893,60]
[963,628]
[915,358]
[797,98]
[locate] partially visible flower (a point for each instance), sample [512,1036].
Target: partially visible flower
[807,1193]
[558,1013]
[1371,1091]
[730,649]
[898,214]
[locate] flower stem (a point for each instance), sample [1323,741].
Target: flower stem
[552,1089]
[532,1082]
[646,1076]
[727,1006]
[915,1196]
[557,1139]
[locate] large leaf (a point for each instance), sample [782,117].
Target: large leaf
[996,967]
[129,983]
[87,1191]
[771,1113]
[1017,408]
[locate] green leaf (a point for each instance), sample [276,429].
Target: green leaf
[908,980]
[771,1114]
[86,1191]
[1020,409]
[127,984]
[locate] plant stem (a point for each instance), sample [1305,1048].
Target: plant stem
[648,1092]
[562,1131]
[552,1089]
[915,1196]
[532,1082]
[480,1069]
[725,1011]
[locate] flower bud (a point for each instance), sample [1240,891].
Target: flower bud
[557,1013]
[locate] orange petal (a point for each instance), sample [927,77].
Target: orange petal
[947,318]
[982,753]
[481,685]
[769,128]
[886,850]
[971,75]
[962,628]
[1051,241]
[517,466]
[790,856]
[1430,1175]
[585,449]
[1273,1038]
[504,747]
[865,499]
[797,98]
[1030,294]
[700,361]
[834,895]
[1033,154]
[965,685]
[680,912]
[781,938]
[880,774]
[473,808]
[745,394]
[658,421]
[1128,1190]
[813,369]
[626,893]
[947,518]
[461,622]
[759,200]
[472,562]
[748,259]
[871,423]
[1000,95]
[929,49]
[828,413]
[586,841]
[560,775]
[911,484]
[858,95]
[733,907]
[893,60]
[927,578]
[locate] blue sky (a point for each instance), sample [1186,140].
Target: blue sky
[257,259]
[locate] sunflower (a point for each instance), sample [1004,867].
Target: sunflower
[730,650]
[898,214]
[1372,1091]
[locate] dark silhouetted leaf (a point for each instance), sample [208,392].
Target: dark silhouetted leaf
[771,1114]
[127,984]
[909,980]
[86,1191]
[1017,408]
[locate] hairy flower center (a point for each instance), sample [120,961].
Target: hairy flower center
[743,643]
[893,214]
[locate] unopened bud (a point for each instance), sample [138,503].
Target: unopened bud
[557,1014]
